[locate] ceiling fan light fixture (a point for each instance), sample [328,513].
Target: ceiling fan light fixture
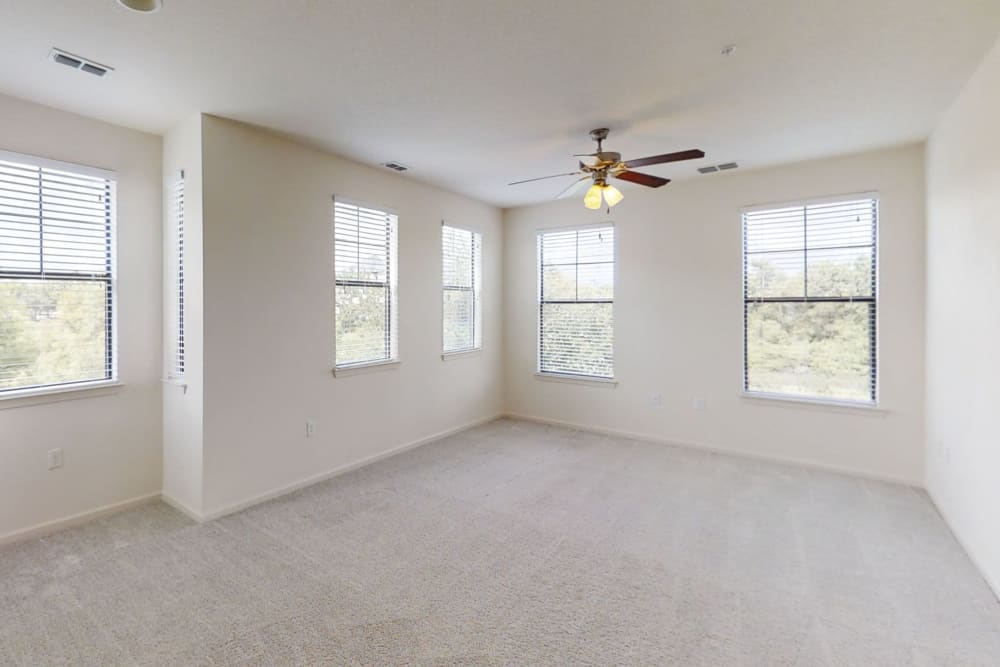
[592,199]
[141,5]
[612,195]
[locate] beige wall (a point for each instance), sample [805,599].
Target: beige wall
[268,246]
[963,317]
[111,439]
[678,314]
[183,400]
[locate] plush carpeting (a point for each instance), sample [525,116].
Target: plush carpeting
[516,544]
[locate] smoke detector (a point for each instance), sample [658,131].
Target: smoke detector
[79,62]
[142,5]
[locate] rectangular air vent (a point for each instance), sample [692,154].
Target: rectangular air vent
[395,166]
[78,63]
[712,168]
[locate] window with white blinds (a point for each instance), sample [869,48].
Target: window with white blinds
[810,299]
[177,278]
[576,290]
[56,274]
[461,254]
[365,270]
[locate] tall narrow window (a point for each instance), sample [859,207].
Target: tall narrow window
[576,292]
[177,278]
[461,253]
[56,274]
[365,270]
[810,299]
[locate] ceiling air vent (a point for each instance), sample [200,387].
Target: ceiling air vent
[395,166]
[712,168]
[76,62]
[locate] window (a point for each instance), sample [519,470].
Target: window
[576,290]
[365,270]
[461,254]
[810,299]
[56,274]
[177,278]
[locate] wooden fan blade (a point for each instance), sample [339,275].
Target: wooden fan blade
[642,179]
[542,178]
[572,188]
[667,157]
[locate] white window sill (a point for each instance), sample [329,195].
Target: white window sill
[458,354]
[19,398]
[831,405]
[577,379]
[358,369]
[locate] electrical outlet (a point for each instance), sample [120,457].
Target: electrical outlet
[310,428]
[656,400]
[698,404]
[55,458]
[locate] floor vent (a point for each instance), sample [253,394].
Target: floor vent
[76,62]
[395,166]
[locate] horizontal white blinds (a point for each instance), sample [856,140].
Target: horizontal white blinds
[810,291]
[55,276]
[576,301]
[365,268]
[461,254]
[176,314]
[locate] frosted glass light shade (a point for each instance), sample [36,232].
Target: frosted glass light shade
[592,199]
[612,195]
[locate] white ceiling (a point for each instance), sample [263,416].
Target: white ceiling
[471,94]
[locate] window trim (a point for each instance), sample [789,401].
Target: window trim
[557,376]
[17,398]
[46,393]
[477,298]
[809,400]
[392,361]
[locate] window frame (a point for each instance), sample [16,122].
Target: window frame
[574,378]
[109,278]
[476,289]
[874,402]
[391,285]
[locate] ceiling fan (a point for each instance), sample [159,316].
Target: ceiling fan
[608,164]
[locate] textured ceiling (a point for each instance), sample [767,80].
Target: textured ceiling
[473,94]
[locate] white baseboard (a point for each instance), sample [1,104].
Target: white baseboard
[340,470]
[182,508]
[48,527]
[647,437]
[983,572]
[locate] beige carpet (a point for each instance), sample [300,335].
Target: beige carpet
[516,544]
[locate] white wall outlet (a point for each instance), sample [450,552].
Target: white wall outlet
[55,458]
[656,400]
[310,428]
[698,404]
